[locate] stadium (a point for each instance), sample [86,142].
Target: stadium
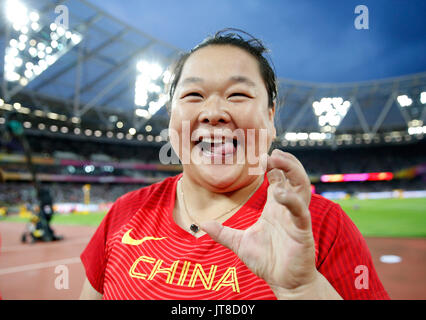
[82,115]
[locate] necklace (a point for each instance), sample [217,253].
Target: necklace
[194,227]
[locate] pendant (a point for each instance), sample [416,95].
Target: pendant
[194,228]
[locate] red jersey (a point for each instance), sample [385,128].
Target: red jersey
[139,252]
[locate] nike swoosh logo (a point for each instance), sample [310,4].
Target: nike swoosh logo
[127,239]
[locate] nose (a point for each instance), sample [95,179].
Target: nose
[213,113]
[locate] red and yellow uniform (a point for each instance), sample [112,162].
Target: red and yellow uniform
[139,252]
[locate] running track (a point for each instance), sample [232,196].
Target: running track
[27,271]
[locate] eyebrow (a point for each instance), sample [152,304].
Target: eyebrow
[234,79]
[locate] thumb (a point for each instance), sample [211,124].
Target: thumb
[226,236]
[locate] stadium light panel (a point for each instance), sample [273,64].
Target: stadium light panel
[143,113]
[167,75]
[330,112]
[416,130]
[149,87]
[316,136]
[423,97]
[290,136]
[404,100]
[16,13]
[32,47]
[112,118]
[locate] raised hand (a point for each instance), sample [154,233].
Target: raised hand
[279,247]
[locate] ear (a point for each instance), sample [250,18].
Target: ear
[271,118]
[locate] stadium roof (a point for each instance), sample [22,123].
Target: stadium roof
[68,63]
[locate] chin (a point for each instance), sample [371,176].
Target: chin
[219,177]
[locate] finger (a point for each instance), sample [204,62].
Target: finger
[292,167]
[275,176]
[276,180]
[294,203]
[298,210]
[226,236]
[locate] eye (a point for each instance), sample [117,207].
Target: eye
[237,95]
[192,97]
[192,94]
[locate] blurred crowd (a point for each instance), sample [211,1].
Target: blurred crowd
[14,193]
[344,159]
[316,161]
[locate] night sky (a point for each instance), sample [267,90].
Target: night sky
[310,40]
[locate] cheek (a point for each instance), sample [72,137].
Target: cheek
[251,118]
[180,133]
[175,131]
[259,130]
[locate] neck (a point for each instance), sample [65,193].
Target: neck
[205,204]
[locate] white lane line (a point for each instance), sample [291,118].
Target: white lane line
[41,245]
[36,266]
[390,258]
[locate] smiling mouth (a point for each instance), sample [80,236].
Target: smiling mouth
[217,147]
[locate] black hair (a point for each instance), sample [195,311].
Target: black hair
[233,37]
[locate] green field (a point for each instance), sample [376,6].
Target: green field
[374,218]
[91,219]
[388,217]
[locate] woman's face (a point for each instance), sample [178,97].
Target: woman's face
[220,121]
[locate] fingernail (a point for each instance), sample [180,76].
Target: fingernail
[279,152]
[274,176]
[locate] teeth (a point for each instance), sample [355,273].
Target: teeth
[214,141]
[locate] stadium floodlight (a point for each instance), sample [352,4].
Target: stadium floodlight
[404,100]
[167,76]
[32,46]
[153,70]
[143,113]
[416,130]
[423,97]
[290,136]
[330,112]
[149,88]
[113,118]
[16,13]
[317,136]
[304,136]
